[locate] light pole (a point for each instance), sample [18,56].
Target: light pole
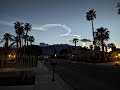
[53,65]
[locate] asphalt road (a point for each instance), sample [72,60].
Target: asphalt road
[84,76]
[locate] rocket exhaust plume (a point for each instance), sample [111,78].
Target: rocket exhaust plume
[44,27]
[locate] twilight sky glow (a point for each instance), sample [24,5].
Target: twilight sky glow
[58,21]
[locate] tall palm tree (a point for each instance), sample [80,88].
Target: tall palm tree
[31,39]
[90,16]
[101,35]
[118,6]
[27,28]
[19,29]
[7,38]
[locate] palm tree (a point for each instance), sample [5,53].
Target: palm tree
[31,39]
[27,39]
[75,40]
[19,29]
[112,46]
[7,38]
[91,47]
[14,40]
[90,16]
[118,6]
[27,28]
[101,35]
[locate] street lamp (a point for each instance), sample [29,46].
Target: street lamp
[53,65]
[117,59]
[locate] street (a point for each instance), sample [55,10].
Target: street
[84,76]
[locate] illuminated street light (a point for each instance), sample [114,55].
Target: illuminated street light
[72,55]
[119,55]
[12,56]
[55,55]
[9,55]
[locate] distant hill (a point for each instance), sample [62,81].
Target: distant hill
[51,49]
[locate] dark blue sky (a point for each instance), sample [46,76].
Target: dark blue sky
[71,13]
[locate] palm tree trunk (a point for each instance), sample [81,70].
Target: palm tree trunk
[106,49]
[20,41]
[103,57]
[7,43]
[27,43]
[17,45]
[75,45]
[102,43]
[26,37]
[92,29]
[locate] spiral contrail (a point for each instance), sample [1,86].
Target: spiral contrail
[45,27]
[48,26]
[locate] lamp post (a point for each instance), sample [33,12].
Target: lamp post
[53,65]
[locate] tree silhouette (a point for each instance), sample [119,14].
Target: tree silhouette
[112,46]
[75,40]
[7,38]
[19,29]
[63,51]
[14,40]
[27,27]
[63,54]
[90,16]
[101,35]
[26,38]
[31,39]
[91,47]
[118,6]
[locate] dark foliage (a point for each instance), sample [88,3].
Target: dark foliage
[63,51]
[30,50]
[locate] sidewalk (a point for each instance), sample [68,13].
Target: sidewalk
[42,81]
[44,77]
[25,87]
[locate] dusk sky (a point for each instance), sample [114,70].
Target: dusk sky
[58,21]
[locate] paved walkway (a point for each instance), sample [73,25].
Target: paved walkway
[25,87]
[42,81]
